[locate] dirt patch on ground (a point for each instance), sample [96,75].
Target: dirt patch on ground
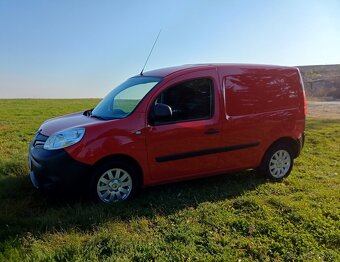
[321,109]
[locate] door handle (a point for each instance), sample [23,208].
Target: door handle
[212,131]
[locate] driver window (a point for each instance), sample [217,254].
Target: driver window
[189,100]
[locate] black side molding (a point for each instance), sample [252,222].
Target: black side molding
[204,152]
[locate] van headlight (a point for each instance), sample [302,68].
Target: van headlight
[64,138]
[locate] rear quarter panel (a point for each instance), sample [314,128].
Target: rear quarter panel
[261,105]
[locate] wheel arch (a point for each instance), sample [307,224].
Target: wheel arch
[289,141]
[121,158]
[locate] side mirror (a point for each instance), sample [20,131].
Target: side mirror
[162,111]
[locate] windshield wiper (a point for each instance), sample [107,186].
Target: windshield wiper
[98,117]
[88,113]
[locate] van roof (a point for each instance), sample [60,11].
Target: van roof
[163,72]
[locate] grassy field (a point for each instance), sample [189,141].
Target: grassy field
[234,217]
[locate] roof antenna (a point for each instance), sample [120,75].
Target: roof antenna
[141,73]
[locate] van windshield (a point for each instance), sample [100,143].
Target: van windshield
[123,99]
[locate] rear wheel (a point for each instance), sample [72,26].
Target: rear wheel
[277,162]
[114,182]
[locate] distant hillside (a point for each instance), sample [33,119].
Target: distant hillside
[321,81]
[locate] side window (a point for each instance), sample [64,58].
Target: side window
[189,100]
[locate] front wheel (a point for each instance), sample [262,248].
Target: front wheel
[114,182]
[277,162]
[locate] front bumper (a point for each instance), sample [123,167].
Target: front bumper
[55,170]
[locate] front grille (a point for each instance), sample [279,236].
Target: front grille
[39,143]
[39,140]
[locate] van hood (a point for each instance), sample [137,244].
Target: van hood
[65,122]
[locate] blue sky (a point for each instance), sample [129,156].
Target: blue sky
[65,49]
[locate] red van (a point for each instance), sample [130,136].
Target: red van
[174,124]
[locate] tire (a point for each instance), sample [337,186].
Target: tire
[277,163]
[114,182]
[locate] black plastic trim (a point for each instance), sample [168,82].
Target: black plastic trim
[204,152]
[55,170]
[301,143]
[39,140]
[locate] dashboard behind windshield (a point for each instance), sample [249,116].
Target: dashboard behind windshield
[122,100]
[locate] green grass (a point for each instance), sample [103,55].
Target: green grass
[127,105]
[229,217]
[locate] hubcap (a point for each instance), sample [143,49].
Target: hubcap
[279,164]
[114,185]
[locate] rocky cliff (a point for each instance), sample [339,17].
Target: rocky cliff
[321,81]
